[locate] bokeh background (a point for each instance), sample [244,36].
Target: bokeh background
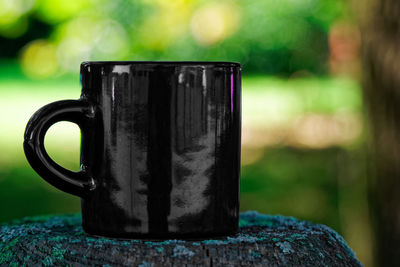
[304,139]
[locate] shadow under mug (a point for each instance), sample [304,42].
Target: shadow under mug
[160,148]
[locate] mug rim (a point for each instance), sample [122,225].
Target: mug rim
[190,63]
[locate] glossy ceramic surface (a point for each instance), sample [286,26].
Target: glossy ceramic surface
[160,151]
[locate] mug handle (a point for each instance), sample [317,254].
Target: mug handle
[79,112]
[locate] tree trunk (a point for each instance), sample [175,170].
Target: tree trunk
[381,58]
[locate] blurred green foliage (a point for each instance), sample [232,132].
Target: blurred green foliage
[274,37]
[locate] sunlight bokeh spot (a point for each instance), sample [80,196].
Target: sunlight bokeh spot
[11,10]
[214,22]
[13,23]
[164,27]
[76,40]
[82,27]
[90,38]
[71,52]
[39,59]
[112,41]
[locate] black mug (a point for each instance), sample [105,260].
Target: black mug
[160,148]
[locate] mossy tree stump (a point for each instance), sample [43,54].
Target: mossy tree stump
[263,240]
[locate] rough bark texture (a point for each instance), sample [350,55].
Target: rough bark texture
[263,240]
[381,56]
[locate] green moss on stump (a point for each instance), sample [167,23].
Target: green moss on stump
[262,240]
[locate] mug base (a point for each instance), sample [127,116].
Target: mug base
[161,236]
